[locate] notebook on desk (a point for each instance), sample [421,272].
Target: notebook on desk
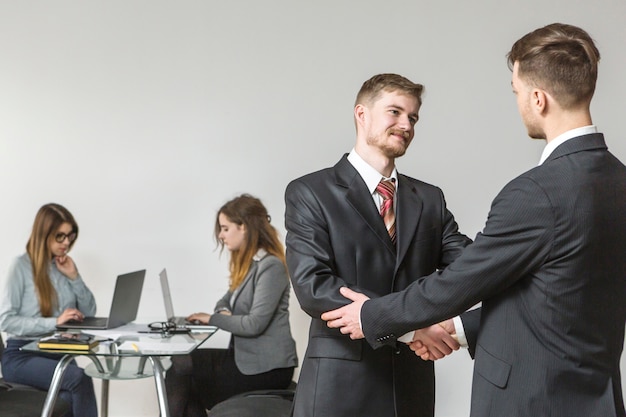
[169,308]
[124,305]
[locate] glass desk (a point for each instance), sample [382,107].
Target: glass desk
[131,355]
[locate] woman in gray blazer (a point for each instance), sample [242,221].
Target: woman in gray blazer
[262,352]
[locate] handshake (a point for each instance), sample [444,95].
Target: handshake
[430,343]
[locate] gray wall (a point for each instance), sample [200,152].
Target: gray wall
[143,117]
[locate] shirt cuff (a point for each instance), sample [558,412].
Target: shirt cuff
[407,337]
[460,331]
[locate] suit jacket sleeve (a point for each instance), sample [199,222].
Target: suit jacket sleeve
[471,325]
[516,240]
[309,252]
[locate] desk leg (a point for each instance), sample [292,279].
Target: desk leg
[104,400]
[159,379]
[55,386]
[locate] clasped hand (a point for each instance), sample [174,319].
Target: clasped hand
[430,343]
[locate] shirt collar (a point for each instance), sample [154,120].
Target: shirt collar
[260,254]
[368,173]
[564,137]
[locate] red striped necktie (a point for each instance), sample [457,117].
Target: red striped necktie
[386,189]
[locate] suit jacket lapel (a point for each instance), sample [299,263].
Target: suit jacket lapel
[359,198]
[408,214]
[246,282]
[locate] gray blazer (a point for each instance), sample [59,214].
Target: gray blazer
[550,268]
[260,319]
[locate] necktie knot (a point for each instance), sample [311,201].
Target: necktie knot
[386,188]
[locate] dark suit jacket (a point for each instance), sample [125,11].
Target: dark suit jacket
[550,267]
[336,237]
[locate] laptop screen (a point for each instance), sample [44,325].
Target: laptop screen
[167,297]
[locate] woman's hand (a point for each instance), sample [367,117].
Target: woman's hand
[66,266]
[199,318]
[70,314]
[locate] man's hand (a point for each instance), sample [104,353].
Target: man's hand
[347,318]
[436,341]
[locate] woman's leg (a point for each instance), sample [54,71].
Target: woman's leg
[181,399]
[217,378]
[210,374]
[36,370]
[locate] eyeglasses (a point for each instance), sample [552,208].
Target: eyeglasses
[60,237]
[166,328]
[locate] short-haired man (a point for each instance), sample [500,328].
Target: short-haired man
[346,228]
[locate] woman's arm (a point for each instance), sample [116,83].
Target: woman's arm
[20,314]
[270,282]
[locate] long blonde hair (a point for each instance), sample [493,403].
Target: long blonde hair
[260,234]
[47,221]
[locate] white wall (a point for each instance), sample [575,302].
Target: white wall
[144,117]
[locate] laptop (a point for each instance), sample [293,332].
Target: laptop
[124,306]
[180,322]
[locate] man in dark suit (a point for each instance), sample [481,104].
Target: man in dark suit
[549,265]
[336,236]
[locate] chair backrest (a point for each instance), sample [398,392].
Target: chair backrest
[260,403]
[253,406]
[19,400]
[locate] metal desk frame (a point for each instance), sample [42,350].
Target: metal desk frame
[155,360]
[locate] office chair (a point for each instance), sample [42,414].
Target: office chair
[18,400]
[262,403]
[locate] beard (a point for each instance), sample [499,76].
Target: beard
[390,147]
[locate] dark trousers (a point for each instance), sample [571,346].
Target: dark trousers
[198,381]
[36,370]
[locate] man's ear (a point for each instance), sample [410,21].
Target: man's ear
[360,113]
[539,100]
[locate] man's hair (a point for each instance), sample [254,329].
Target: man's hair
[372,88]
[561,59]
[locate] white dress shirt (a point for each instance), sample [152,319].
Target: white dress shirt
[372,177]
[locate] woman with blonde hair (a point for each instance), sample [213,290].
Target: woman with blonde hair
[44,289]
[262,352]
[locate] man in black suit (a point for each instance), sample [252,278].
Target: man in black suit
[337,237]
[550,264]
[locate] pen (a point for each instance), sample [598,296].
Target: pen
[135,347]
